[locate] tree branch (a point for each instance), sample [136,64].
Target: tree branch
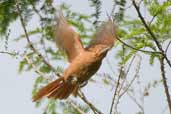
[165,82]
[151,33]
[94,109]
[154,52]
[76,107]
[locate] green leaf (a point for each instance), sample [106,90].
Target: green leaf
[38,81]
[51,107]
[45,69]
[21,65]
[135,32]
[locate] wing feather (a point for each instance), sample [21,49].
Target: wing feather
[66,38]
[105,35]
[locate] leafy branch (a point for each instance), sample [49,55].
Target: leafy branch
[97,5]
[29,42]
[151,52]
[150,32]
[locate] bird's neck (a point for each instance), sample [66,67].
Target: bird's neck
[100,50]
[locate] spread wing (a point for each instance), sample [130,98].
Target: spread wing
[105,36]
[66,38]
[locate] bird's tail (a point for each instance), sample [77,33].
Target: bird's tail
[58,89]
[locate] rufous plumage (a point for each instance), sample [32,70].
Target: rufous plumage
[84,62]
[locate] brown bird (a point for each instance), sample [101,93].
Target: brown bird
[84,62]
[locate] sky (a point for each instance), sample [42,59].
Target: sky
[15,97]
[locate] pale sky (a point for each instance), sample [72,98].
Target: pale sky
[15,97]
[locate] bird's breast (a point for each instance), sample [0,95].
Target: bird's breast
[83,67]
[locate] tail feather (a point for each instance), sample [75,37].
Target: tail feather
[48,89]
[65,93]
[58,89]
[55,91]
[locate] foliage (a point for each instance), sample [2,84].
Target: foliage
[97,5]
[130,30]
[119,15]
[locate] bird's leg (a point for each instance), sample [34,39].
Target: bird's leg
[72,79]
[76,90]
[83,84]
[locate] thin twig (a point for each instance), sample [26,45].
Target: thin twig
[134,77]
[30,62]
[129,84]
[36,11]
[8,53]
[136,102]
[167,46]
[165,82]
[118,81]
[75,107]
[83,97]
[154,52]
[123,82]
[154,17]
[116,89]
[150,32]
[41,19]
[129,67]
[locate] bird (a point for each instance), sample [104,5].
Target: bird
[84,62]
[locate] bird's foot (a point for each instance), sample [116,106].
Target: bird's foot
[83,84]
[72,79]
